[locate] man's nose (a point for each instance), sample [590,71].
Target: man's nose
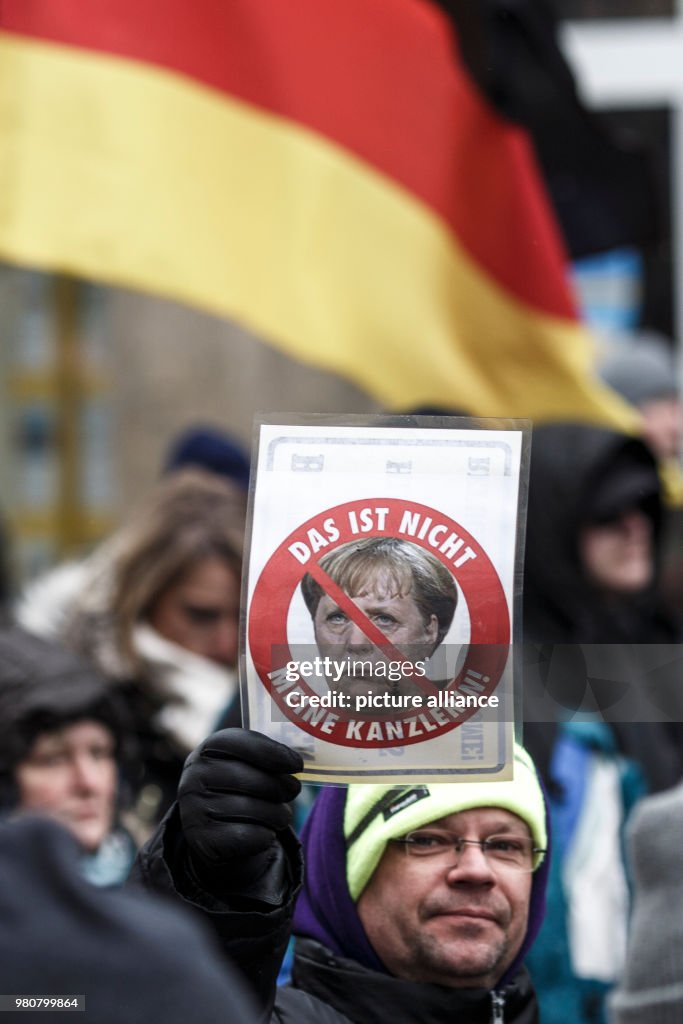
[471,867]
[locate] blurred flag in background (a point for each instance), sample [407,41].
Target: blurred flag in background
[323,172]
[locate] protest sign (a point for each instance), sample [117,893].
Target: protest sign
[380,596]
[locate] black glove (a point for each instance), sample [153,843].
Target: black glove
[233,799]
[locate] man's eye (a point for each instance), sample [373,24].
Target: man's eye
[507,844]
[427,840]
[386,621]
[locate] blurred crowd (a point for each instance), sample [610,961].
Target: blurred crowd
[160,861]
[120,721]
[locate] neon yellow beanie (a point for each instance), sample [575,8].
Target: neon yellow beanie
[375,814]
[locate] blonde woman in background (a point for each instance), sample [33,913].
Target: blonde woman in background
[156,608]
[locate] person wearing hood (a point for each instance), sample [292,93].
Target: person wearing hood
[62,750]
[419,903]
[156,609]
[593,531]
[643,367]
[592,615]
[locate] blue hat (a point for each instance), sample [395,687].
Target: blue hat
[209,449]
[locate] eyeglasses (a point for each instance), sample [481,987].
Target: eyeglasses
[517,853]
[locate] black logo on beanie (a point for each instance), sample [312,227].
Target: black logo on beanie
[406,799]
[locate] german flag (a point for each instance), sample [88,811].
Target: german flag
[322,172]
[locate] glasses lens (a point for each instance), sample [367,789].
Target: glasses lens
[428,842]
[510,851]
[505,851]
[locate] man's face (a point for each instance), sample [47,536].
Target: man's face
[460,926]
[201,611]
[70,775]
[399,619]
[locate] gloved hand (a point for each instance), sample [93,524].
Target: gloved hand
[233,799]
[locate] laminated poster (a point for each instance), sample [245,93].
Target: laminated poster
[380,595]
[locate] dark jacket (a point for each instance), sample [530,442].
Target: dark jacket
[329,988]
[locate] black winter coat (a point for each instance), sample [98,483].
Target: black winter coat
[328,989]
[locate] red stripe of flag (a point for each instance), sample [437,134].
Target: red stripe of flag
[382,78]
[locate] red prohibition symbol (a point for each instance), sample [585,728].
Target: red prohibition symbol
[299,554]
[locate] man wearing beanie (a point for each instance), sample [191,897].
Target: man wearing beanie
[419,902]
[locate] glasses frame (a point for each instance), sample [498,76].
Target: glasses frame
[457,845]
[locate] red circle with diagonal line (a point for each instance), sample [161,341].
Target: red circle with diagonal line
[378,517]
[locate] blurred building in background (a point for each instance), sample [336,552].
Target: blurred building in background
[58,479]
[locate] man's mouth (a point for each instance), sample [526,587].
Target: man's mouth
[467,913]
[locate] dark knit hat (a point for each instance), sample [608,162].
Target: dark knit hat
[44,687]
[134,958]
[210,449]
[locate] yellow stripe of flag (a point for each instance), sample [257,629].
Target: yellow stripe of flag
[135,176]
